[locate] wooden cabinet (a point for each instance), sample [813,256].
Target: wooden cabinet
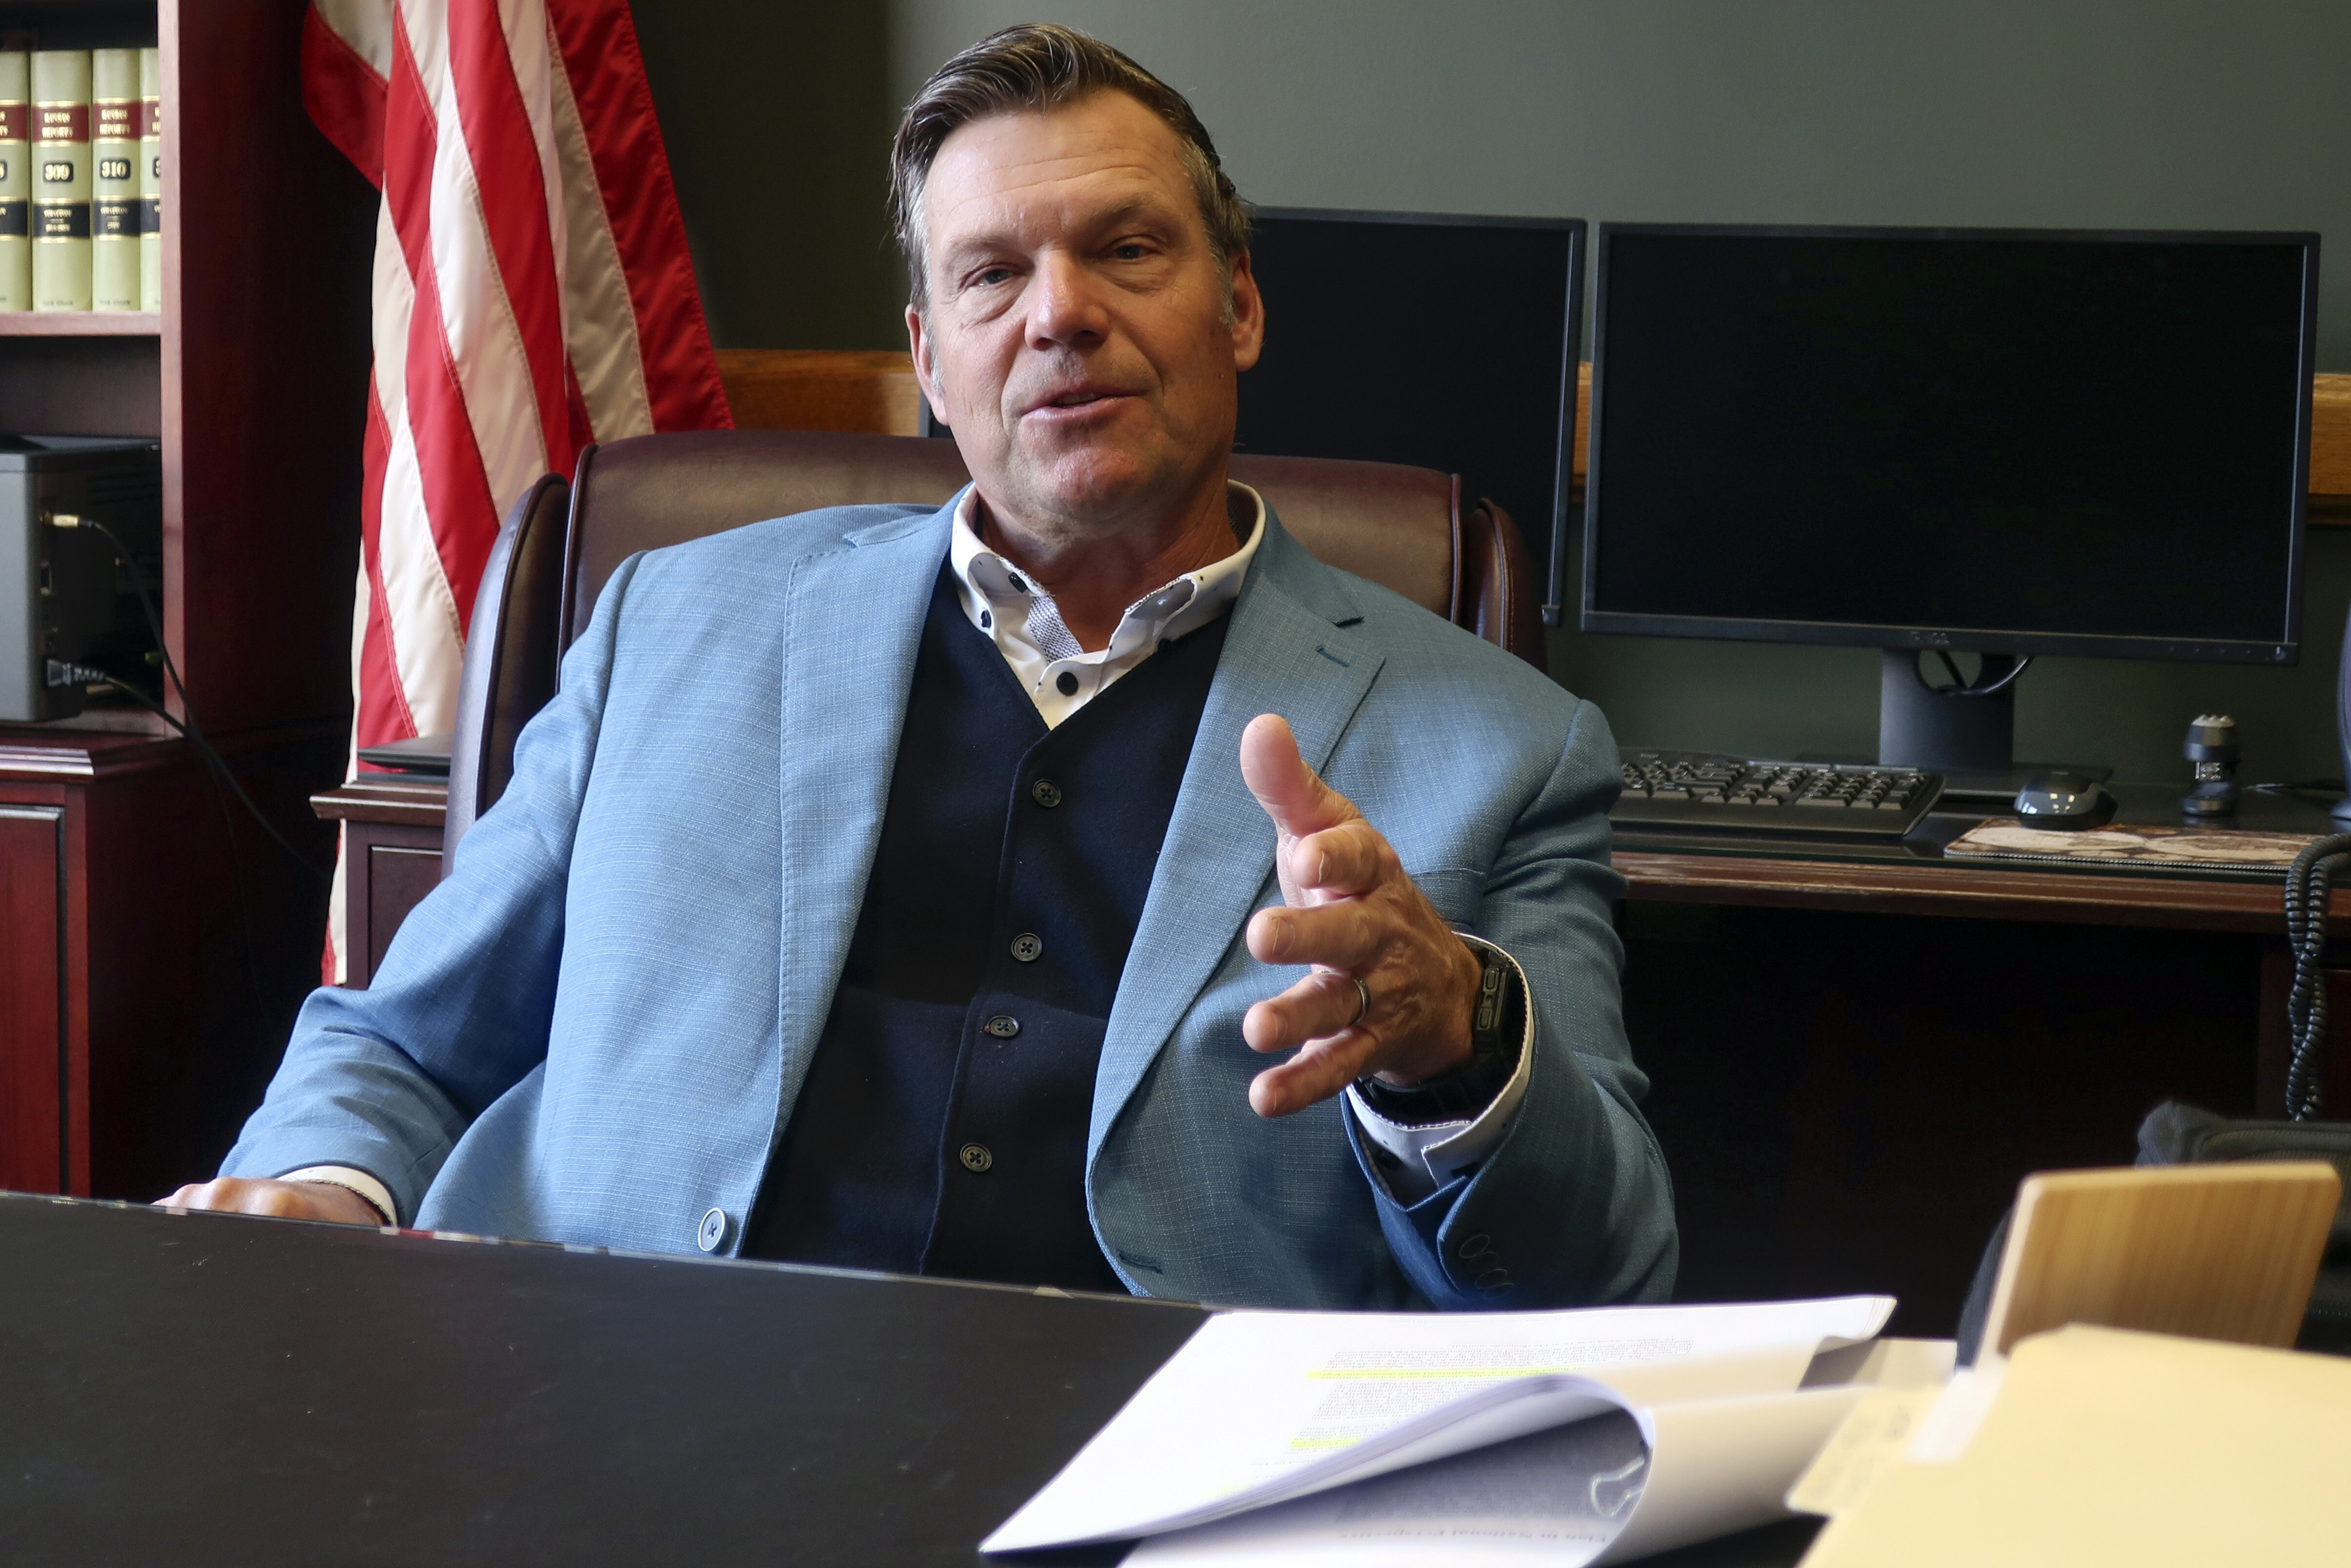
[157,943]
[32,995]
[392,841]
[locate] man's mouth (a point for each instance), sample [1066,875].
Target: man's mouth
[1076,397]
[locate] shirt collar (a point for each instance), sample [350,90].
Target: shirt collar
[1004,601]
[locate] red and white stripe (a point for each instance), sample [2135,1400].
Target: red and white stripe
[533,293]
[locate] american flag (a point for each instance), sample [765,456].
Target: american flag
[532,294]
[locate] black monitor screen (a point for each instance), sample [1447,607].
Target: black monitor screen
[2012,442]
[1444,342]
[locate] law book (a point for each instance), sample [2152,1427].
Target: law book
[150,180]
[61,180]
[16,181]
[114,180]
[1455,1440]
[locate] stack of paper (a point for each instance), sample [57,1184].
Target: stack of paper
[2100,1446]
[1439,1438]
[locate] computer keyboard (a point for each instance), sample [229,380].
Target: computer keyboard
[1704,790]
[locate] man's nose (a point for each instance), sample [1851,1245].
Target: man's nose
[1065,310]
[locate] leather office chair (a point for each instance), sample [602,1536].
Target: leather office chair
[1402,527]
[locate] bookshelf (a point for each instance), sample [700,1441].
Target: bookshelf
[82,323]
[159,944]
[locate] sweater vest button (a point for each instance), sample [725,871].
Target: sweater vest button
[975,1158]
[1046,793]
[1028,947]
[1003,1026]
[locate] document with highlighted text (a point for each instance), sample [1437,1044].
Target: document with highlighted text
[1404,1438]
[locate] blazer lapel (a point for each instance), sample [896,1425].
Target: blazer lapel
[853,626]
[1285,653]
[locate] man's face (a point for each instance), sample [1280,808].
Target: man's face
[1079,340]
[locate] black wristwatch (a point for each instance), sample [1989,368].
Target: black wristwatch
[1498,1028]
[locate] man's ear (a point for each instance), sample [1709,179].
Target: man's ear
[1249,315]
[918,341]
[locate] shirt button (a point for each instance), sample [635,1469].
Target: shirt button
[975,1157]
[1046,793]
[1068,683]
[986,622]
[1003,1026]
[1028,947]
[713,1233]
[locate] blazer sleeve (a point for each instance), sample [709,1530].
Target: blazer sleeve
[1573,1206]
[387,1080]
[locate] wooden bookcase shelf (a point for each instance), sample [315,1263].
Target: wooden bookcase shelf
[82,323]
[158,943]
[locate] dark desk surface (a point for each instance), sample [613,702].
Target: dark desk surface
[197,1389]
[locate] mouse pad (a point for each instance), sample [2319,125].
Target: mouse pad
[2154,848]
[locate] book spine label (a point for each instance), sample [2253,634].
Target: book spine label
[61,180]
[16,181]
[150,180]
[63,122]
[114,180]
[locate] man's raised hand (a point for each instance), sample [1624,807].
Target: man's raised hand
[1351,913]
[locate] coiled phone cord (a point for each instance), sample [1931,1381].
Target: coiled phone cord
[2305,1007]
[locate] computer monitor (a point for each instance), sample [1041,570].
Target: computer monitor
[1444,341]
[1928,439]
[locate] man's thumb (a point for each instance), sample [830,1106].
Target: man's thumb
[1280,778]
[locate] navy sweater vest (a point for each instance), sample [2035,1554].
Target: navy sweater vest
[942,1126]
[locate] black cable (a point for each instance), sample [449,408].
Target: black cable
[190,729]
[216,764]
[1959,686]
[2306,1004]
[228,834]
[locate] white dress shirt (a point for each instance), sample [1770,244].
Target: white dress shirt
[1026,626]
[1060,677]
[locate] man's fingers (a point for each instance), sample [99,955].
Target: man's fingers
[1342,861]
[1298,802]
[1342,936]
[1319,1070]
[1321,1005]
[282,1199]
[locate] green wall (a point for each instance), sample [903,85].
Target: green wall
[2080,113]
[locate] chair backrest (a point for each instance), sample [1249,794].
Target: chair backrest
[1402,528]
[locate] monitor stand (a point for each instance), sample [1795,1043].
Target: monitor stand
[1969,739]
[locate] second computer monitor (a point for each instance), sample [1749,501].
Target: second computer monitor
[1444,341]
[1923,440]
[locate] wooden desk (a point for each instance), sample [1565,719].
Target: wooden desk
[1855,1053]
[394,821]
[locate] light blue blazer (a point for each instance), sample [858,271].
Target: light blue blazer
[594,1029]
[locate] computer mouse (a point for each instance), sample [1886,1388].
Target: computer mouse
[2065,800]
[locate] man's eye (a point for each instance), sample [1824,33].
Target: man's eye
[1134,250]
[994,275]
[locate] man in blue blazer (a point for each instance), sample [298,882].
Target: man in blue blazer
[924,890]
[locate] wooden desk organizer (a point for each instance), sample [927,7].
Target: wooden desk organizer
[2217,1252]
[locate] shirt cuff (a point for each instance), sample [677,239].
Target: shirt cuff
[378,1196]
[1424,1158]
